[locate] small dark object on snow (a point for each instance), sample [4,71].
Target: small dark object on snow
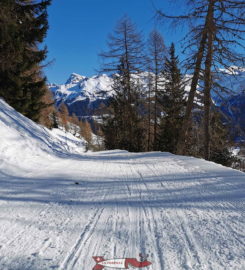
[76,183]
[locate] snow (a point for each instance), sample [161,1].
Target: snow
[61,206]
[24,142]
[235,150]
[79,87]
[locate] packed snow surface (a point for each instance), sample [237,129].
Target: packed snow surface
[61,206]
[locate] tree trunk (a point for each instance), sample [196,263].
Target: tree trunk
[208,85]
[149,115]
[195,78]
[155,110]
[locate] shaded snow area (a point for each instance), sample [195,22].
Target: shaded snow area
[60,206]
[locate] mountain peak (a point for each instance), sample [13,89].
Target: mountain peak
[75,78]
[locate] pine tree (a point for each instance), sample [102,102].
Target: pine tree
[10,40]
[22,83]
[220,140]
[173,103]
[123,128]
[54,119]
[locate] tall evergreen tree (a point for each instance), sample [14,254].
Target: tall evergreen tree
[156,65]
[10,44]
[123,128]
[173,103]
[220,140]
[22,83]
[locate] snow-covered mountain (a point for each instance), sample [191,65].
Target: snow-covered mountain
[84,96]
[232,104]
[234,110]
[234,79]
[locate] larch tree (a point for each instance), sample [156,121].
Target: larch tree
[156,56]
[216,29]
[124,60]
[86,131]
[63,115]
[48,112]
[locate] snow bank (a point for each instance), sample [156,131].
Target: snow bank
[24,142]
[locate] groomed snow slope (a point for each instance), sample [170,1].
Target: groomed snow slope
[184,212]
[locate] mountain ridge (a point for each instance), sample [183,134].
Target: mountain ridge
[84,96]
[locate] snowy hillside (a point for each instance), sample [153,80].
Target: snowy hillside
[24,143]
[60,206]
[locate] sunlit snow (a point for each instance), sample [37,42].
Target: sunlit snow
[61,206]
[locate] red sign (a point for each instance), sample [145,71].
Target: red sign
[124,263]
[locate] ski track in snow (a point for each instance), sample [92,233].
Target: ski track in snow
[183,212]
[59,207]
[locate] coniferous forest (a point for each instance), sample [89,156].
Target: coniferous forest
[122,134]
[24,25]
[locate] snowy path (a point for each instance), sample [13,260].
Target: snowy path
[184,212]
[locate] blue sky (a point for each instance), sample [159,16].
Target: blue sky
[79,30]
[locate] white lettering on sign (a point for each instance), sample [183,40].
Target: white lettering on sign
[115,263]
